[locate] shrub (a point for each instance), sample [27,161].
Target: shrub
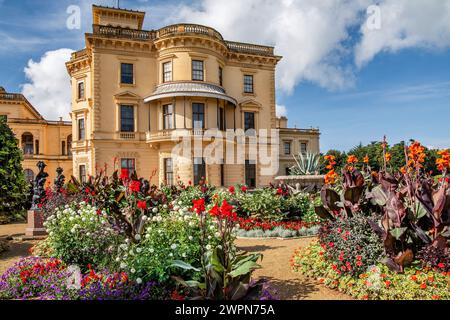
[165,238]
[262,203]
[81,235]
[13,187]
[350,244]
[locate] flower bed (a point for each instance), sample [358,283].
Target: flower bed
[131,240]
[387,235]
[253,228]
[377,282]
[50,279]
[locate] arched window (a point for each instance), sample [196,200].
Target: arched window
[63,148]
[69,145]
[27,143]
[29,175]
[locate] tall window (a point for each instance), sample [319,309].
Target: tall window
[82,171]
[80,90]
[197,70]
[168,116]
[249,120]
[222,174]
[63,148]
[220,76]
[127,164]
[287,148]
[199,170]
[27,143]
[198,115]
[36,146]
[69,145]
[168,171]
[221,119]
[248,83]
[81,129]
[126,118]
[303,147]
[250,173]
[167,71]
[126,73]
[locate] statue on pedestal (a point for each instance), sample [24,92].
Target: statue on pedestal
[60,179]
[39,183]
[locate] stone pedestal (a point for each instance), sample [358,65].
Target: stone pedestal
[35,226]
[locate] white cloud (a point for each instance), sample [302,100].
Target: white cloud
[308,34]
[48,89]
[281,111]
[406,24]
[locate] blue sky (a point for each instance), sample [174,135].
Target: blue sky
[354,84]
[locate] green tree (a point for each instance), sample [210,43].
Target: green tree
[13,186]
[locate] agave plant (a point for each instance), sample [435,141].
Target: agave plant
[306,164]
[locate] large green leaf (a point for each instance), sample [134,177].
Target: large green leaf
[398,232]
[183,265]
[244,269]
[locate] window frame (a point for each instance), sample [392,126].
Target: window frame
[81,94]
[306,147]
[195,71]
[168,115]
[128,161]
[164,72]
[198,170]
[221,76]
[194,113]
[168,174]
[287,144]
[249,85]
[81,176]
[253,120]
[250,168]
[122,118]
[122,75]
[81,129]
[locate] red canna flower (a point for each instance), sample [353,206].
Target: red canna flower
[124,174]
[199,205]
[244,189]
[231,189]
[135,186]
[142,205]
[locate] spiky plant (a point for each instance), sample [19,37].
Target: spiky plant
[306,164]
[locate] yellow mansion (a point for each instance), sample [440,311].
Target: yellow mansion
[40,139]
[138,95]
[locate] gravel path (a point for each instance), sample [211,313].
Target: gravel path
[17,249]
[276,268]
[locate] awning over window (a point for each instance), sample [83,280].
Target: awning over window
[189,89]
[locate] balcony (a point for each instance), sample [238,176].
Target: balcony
[172,134]
[177,29]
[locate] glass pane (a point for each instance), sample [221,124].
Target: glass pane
[127,73]
[126,118]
